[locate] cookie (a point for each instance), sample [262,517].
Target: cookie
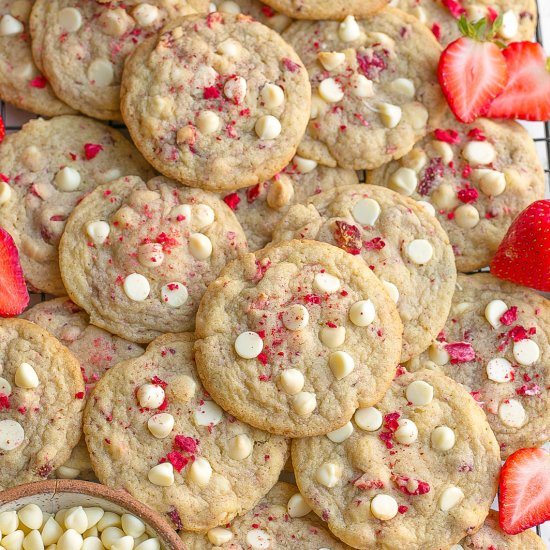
[281,519]
[217,102]
[261,207]
[96,349]
[492,537]
[81,46]
[418,471]
[293,338]
[21,84]
[519,17]
[326,9]
[478,177]
[152,430]
[138,256]
[495,343]
[374,87]
[41,402]
[45,170]
[401,243]
[258,10]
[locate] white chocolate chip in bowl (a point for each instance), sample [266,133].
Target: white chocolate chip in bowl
[512,413]
[404,181]
[341,434]
[174,294]
[136,287]
[297,507]
[341,364]
[500,370]
[11,435]
[526,352]
[419,393]
[291,381]
[369,419]
[419,251]
[249,345]
[362,313]
[295,317]
[366,211]
[208,414]
[325,282]
[383,507]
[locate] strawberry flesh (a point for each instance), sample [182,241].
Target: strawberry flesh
[14,296]
[523,256]
[524,497]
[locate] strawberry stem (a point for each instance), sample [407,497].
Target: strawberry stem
[482,30]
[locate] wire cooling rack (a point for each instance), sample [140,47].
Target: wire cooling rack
[540,132]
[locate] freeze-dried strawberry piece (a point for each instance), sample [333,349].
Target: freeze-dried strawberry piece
[347,237]
[460,352]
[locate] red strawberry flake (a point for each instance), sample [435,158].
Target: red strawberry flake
[347,237]
[386,437]
[528,389]
[448,136]
[267,11]
[402,509]
[312,299]
[211,92]
[509,316]
[158,382]
[3,177]
[91,150]
[252,193]
[411,487]
[476,134]
[371,65]
[460,352]
[45,470]
[391,421]
[434,170]
[177,460]
[467,171]
[4,401]
[290,65]
[468,195]
[22,410]
[436,30]
[518,333]
[164,405]
[492,14]
[454,7]
[232,200]
[262,358]
[185,443]
[79,395]
[375,244]
[175,517]
[261,267]
[366,484]
[39,82]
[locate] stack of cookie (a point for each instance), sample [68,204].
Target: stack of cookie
[255,291]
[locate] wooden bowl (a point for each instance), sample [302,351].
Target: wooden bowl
[56,494]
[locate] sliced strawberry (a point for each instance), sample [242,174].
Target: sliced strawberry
[2,130]
[523,256]
[471,72]
[524,498]
[14,297]
[527,93]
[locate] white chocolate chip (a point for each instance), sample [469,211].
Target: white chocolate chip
[33,541]
[332,337]
[318,105]
[69,540]
[449,498]
[438,354]
[123,543]
[404,87]
[419,393]
[91,543]
[229,7]
[258,539]
[416,114]
[136,287]
[27,71]
[443,150]
[272,96]
[331,60]
[349,30]
[174,294]
[420,251]
[240,447]
[10,26]
[491,182]
[203,216]
[267,127]
[295,317]
[403,181]
[328,474]
[98,231]
[304,166]
[368,419]
[208,414]
[362,313]
[235,89]
[499,370]
[116,22]
[145,14]
[150,544]
[150,396]
[76,519]
[407,432]
[107,519]
[297,507]
[162,474]
[200,246]
[208,122]
[510,25]
[11,435]
[479,152]
[443,438]
[101,72]
[161,107]
[466,216]
[229,48]
[26,377]
[67,179]
[341,364]
[383,507]
[416,160]
[361,86]
[512,413]
[366,211]
[428,208]
[304,403]
[330,90]
[325,282]
[51,532]
[526,352]
[200,472]
[9,521]
[445,197]
[494,310]
[390,115]
[5,193]
[150,255]
[341,434]
[31,516]
[382,39]
[69,19]
[392,290]
[64,472]
[248,345]
[5,387]
[218,536]
[291,381]
[161,425]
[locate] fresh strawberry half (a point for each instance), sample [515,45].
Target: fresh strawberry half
[527,93]
[524,498]
[523,256]
[472,72]
[14,296]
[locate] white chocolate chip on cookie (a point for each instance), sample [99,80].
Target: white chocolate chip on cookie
[331,60]
[404,181]
[200,472]
[98,231]
[325,282]
[349,30]
[297,507]
[466,216]
[443,438]
[273,96]
[512,413]
[249,345]
[419,393]
[304,403]
[67,179]
[449,498]
[11,435]
[240,447]
[150,396]
[494,310]
[362,313]
[407,432]
[200,246]
[341,434]
[332,337]
[174,294]
[420,251]
[267,127]
[383,507]
[26,377]
[162,475]
[341,363]
[368,419]
[366,211]
[479,152]
[328,474]
[526,352]
[295,317]
[136,287]
[161,425]
[291,381]
[331,90]
[70,19]
[499,370]
[208,414]
[390,115]
[218,536]
[101,72]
